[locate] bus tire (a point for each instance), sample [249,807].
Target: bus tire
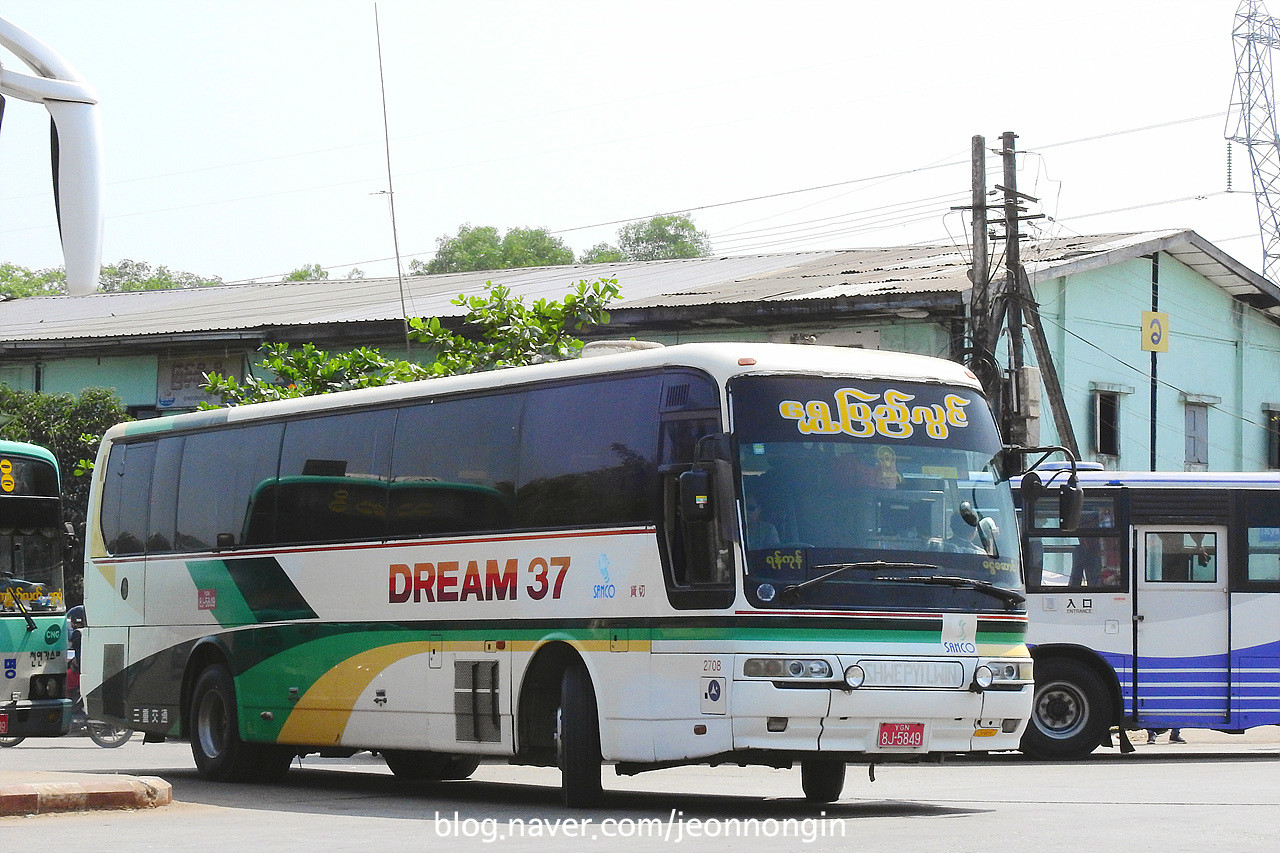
[11,740]
[429,766]
[578,739]
[822,779]
[1071,711]
[219,753]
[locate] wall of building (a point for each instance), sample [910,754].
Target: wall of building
[1221,354]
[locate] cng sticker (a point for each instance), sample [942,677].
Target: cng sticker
[6,475]
[714,698]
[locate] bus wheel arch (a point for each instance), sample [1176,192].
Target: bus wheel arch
[1076,703]
[211,723]
[206,653]
[540,700]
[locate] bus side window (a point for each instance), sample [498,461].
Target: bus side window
[126,498]
[1182,557]
[1035,563]
[218,487]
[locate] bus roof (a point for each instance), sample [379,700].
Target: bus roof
[721,360]
[22,448]
[1174,479]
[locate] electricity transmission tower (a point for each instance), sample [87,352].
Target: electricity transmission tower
[1251,120]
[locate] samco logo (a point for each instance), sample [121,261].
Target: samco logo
[856,415]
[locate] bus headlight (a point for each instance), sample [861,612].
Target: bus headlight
[1008,674]
[982,678]
[854,676]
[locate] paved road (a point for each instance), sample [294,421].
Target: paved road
[1217,792]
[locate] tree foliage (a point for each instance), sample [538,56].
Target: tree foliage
[481,248]
[70,426]
[127,275]
[309,272]
[602,253]
[498,330]
[663,237]
[306,371]
[17,282]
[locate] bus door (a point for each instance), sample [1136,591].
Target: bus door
[1182,625]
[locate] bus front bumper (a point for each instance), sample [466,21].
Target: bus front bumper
[42,718]
[881,722]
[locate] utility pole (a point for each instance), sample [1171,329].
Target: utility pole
[982,359]
[1016,425]
[1016,394]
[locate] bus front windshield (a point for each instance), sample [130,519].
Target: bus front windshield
[872,493]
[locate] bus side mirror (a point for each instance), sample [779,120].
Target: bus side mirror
[695,495]
[1070,504]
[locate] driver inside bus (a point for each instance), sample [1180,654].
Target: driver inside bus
[964,537]
[761,533]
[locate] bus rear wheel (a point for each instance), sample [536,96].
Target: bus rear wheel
[1071,711]
[822,779]
[219,753]
[578,739]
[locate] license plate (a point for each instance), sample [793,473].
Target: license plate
[902,734]
[4,724]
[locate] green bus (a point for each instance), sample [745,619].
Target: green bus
[33,639]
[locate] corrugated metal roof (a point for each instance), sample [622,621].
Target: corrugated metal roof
[229,310]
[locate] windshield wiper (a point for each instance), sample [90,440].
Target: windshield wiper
[1007,595]
[793,590]
[17,599]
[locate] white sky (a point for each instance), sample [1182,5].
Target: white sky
[245,139]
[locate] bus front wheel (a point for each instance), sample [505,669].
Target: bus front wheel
[578,739]
[219,753]
[822,779]
[1071,711]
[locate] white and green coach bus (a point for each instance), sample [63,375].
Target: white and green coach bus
[699,554]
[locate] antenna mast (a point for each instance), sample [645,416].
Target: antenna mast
[1251,120]
[391,195]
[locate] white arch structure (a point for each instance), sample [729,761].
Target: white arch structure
[77,149]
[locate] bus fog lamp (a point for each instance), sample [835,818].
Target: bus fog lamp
[854,676]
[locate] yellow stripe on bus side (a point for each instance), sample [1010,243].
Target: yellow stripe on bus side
[321,715]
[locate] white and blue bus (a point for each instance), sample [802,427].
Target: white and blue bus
[1162,610]
[710,553]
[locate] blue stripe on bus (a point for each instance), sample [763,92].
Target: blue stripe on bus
[1193,691]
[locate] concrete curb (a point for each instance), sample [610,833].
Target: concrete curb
[84,792]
